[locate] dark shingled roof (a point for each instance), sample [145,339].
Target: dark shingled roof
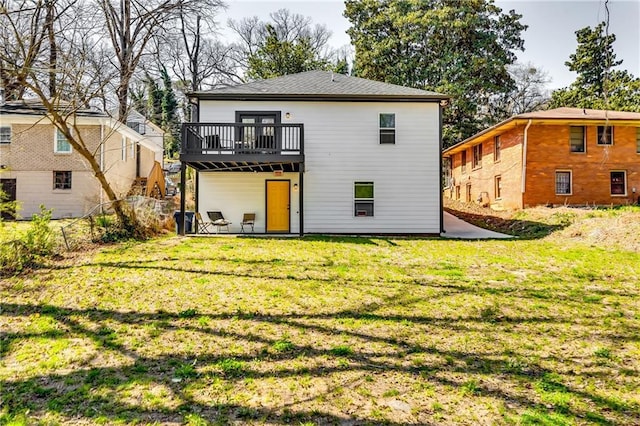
[36,107]
[319,85]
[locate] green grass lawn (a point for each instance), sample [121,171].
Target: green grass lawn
[325,331]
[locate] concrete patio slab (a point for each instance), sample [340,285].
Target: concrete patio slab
[457,228]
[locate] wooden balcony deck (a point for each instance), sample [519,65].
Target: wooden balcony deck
[243,146]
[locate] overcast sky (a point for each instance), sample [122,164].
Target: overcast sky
[549,40]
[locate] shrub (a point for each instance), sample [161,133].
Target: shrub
[26,250]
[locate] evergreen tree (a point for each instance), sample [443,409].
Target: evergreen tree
[154,100]
[276,57]
[597,85]
[169,114]
[458,48]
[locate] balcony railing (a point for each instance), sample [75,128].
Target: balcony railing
[242,139]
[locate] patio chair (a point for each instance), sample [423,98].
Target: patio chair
[248,219]
[202,225]
[218,220]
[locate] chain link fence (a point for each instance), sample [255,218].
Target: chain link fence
[95,225]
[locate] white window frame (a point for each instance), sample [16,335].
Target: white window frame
[132,153]
[626,189]
[610,128]
[4,140]
[56,135]
[123,148]
[367,200]
[386,130]
[555,182]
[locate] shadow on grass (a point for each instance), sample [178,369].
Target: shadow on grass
[100,394]
[523,229]
[327,238]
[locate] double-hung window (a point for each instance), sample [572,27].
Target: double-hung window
[619,183]
[5,134]
[576,138]
[61,180]
[387,128]
[563,182]
[61,144]
[605,135]
[363,198]
[477,156]
[463,161]
[497,146]
[498,187]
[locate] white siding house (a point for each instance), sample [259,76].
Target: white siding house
[365,156]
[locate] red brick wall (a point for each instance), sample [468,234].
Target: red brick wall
[482,179]
[549,151]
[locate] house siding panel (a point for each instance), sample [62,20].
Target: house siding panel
[35,188]
[234,194]
[342,147]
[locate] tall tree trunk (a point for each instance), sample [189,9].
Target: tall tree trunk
[53,47]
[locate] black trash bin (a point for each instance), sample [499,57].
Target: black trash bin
[189,222]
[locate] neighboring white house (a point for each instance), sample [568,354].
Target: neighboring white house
[318,152]
[39,166]
[152,133]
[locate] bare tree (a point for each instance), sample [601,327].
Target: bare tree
[529,93]
[78,77]
[132,24]
[289,27]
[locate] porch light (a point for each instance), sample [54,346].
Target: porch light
[287,115]
[295,187]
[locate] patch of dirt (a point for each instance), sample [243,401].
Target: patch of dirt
[617,227]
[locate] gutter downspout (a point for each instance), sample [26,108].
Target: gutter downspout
[101,159]
[524,159]
[440,143]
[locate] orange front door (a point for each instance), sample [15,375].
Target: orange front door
[278,205]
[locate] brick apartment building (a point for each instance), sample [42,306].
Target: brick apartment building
[561,156]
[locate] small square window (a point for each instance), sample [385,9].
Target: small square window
[62,145]
[576,138]
[497,146]
[563,183]
[363,198]
[5,134]
[605,135]
[62,180]
[387,128]
[619,183]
